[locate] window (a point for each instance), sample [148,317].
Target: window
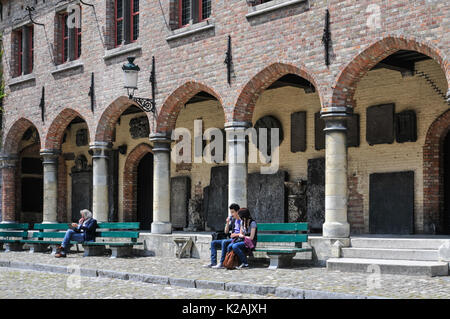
[126,20]
[193,11]
[69,39]
[23,42]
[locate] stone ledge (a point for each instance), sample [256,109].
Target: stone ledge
[125,49]
[270,6]
[22,79]
[189,30]
[67,66]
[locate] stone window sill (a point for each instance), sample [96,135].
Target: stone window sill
[124,49]
[67,66]
[191,29]
[270,6]
[22,79]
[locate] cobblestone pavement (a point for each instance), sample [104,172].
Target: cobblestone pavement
[36,285]
[310,278]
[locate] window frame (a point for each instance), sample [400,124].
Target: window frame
[73,38]
[196,19]
[24,54]
[132,17]
[128,18]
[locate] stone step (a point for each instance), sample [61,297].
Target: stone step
[386,266]
[398,243]
[381,253]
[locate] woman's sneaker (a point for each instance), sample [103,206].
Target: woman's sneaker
[209,266]
[241,266]
[218,266]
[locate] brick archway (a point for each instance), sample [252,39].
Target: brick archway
[347,80]
[130,181]
[56,130]
[168,113]
[105,126]
[433,177]
[246,101]
[15,134]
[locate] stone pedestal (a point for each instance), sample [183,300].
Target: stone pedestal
[8,163]
[100,202]
[50,163]
[336,225]
[237,163]
[161,184]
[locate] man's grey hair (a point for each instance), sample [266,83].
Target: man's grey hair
[86,212]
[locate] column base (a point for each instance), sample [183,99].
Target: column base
[161,228]
[336,230]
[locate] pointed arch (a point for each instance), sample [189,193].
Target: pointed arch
[15,134]
[56,130]
[130,181]
[347,80]
[171,108]
[246,101]
[433,177]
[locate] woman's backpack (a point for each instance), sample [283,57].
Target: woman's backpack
[231,260]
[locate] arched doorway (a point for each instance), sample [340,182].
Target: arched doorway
[145,192]
[446,228]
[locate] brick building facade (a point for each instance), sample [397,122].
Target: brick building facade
[390,53]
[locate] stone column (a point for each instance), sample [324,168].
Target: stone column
[100,201]
[161,183]
[336,225]
[8,163]
[50,163]
[237,162]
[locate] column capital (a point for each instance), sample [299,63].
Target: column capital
[161,141]
[8,160]
[336,117]
[100,149]
[237,125]
[50,156]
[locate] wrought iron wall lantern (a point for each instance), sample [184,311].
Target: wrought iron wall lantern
[131,73]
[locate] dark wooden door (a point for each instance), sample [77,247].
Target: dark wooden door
[446,228]
[145,192]
[391,203]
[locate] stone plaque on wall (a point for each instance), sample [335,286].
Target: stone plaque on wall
[298,132]
[391,203]
[380,124]
[82,137]
[180,190]
[139,127]
[319,134]
[406,126]
[267,198]
[316,194]
[216,198]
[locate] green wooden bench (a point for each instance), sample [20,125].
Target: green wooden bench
[110,231]
[12,235]
[282,233]
[47,235]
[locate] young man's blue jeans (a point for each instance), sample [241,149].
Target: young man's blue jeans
[223,244]
[71,235]
[239,249]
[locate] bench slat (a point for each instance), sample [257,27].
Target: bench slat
[14,226]
[51,226]
[49,235]
[119,225]
[14,234]
[281,250]
[282,238]
[118,234]
[111,244]
[283,227]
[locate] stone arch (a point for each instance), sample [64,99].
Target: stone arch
[168,113]
[433,165]
[347,80]
[246,101]
[56,130]
[105,126]
[130,181]
[15,133]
